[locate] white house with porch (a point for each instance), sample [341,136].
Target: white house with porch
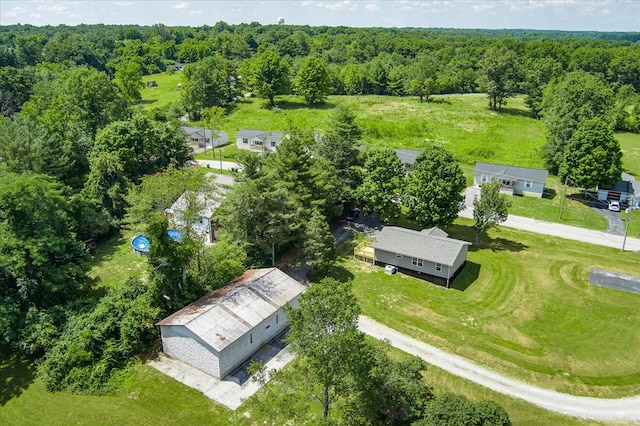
[258,140]
[513,180]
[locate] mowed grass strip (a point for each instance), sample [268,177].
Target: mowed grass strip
[114,261]
[522,306]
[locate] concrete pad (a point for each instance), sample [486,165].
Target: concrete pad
[234,389]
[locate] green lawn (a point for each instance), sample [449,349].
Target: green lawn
[522,306]
[114,260]
[165,93]
[148,397]
[630,145]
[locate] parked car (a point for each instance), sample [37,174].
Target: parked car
[614,206]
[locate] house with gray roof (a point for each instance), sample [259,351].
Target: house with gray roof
[220,331]
[408,158]
[429,252]
[204,137]
[258,140]
[626,190]
[513,180]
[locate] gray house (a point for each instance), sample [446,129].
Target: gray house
[258,140]
[203,137]
[625,190]
[223,329]
[513,180]
[430,252]
[408,158]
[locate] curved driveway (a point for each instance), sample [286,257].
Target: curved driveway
[623,409]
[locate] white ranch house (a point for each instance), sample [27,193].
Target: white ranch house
[219,332]
[204,138]
[258,140]
[430,252]
[513,180]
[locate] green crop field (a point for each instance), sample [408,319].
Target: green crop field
[523,306]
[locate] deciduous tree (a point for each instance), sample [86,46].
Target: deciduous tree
[434,189]
[490,209]
[270,76]
[382,185]
[312,81]
[500,75]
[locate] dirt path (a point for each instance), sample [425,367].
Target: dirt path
[624,409]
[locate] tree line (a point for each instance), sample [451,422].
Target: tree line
[339,60]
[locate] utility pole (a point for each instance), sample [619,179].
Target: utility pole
[626,228]
[564,194]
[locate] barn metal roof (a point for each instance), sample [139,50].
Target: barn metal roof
[224,315]
[431,245]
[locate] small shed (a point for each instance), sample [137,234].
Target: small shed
[220,331]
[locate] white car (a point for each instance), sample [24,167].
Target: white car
[614,206]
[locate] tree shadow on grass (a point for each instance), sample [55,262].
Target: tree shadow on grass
[467,276]
[106,249]
[549,193]
[292,105]
[514,111]
[498,244]
[16,374]
[340,273]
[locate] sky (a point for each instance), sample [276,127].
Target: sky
[568,15]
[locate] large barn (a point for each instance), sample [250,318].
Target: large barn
[221,330]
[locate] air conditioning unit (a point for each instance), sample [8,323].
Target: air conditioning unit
[390,269]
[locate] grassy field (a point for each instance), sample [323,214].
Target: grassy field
[165,93]
[523,306]
[148,397]
[114,261]
[630,146]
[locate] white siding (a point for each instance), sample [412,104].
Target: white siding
[178,342]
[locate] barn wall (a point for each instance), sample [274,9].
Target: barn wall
[180,343]
[243,348]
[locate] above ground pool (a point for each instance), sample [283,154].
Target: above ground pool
[140,243]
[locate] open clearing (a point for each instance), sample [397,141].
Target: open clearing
[522,306]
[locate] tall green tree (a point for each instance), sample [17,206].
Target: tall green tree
[205,84]
[42,266]
[433,193]
[324,333]
[312,81]
[490,209]
[500,75]
[592,156]
[452,410]
[538,72]
[270,76]
[579,96]
[382,185]
[318,247]
[128,78]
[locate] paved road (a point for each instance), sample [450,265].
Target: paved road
[624,409]
[557,229]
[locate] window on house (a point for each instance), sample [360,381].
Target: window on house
[527,184]
[257,142]
[245,141]
[250,337]
[438,267]
[273,144]
[416,262]
[276,318]
[484,179]
[267,327]
[399,256]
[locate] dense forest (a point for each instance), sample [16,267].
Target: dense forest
[81,158]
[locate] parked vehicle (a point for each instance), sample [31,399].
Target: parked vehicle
[614,206]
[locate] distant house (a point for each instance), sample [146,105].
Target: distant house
[203,137]
[178,66]
[513,180]
[408,158]
[207,203]
[430,252]
[258,140]
[223,329]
